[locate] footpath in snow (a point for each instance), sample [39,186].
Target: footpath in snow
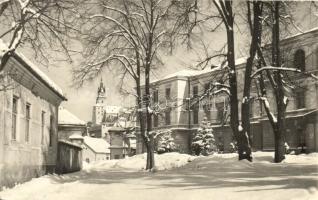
[180,176]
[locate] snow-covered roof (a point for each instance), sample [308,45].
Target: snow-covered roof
[70,143]
[98,145]
[191,73]
[184,73]
[116,129]
[76,136]
[33,69]
[124,123]
[66,117]
[301,33]
[112,109]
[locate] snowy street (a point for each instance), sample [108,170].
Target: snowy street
[214,177]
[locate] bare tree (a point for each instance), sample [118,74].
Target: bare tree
[131,34]
[275,74]
[34,24]
[225,9]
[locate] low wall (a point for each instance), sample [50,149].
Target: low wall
[69,157]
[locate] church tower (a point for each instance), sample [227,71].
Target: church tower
[98,109]
[101,93]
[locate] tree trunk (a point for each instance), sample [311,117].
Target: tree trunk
[245,113]
[244,150]
[279,131]
[141,114]
[150,145]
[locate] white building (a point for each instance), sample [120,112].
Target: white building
[95,149]
[28,121]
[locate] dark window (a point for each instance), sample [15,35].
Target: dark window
[207,110]
[27,122]
[51,130]
[220,111]
[206,88]
[155,96]
[300,99]
[168,116]
[195,115]
[155,120]
[299,60]
[42,126]
[14,117]
[195,107]
[195,91]
[116,156]
[168,91]
[251,104]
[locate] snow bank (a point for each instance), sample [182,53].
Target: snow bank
[219,176]
[162,162]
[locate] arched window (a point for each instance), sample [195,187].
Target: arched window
[299,59]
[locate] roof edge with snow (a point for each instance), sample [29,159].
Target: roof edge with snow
[41,76]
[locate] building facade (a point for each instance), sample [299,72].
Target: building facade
[28,122]
[70,127]
[179,100]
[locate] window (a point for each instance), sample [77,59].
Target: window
[207,110]
[300,99]
[220,111]
[14,117]
[155,96]
[251,105]
[155,120]
[195,108]
[42,126]
[168,116]
[27,121]
[168,93]
[206,87]
[195,115]
[299,59]
[51,130]
[195,90]
[155,102]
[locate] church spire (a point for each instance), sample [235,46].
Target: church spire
[101,88]
[101,92]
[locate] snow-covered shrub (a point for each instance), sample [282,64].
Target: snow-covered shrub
[165,141]
[287,148]
[203,142]
[233,147]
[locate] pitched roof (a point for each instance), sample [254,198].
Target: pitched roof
[70,143]
[98,145]
[193,73]
[112,109]
[30,66]
[66,117]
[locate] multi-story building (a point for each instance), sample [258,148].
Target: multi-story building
[173,97]
[28,121]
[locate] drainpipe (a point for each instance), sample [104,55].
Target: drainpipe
[189,105]
[189,116]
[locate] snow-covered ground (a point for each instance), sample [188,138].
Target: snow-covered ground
[180,176]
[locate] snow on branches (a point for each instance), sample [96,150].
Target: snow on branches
[203,142]
[165,141]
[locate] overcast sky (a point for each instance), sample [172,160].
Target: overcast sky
[81,101]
